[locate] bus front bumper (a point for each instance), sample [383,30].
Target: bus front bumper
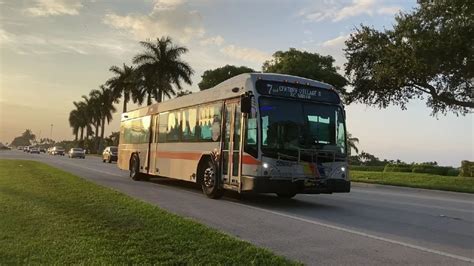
[263,184]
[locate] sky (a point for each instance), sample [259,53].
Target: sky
[54,51]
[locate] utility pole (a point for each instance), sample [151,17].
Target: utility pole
[51,133]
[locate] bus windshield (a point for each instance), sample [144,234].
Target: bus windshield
[289,125]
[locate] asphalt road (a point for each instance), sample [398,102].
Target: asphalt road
[372,225]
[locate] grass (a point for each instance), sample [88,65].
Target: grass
[49,216]
[416,180]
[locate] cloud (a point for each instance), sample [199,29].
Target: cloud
[245,54]
[389,10]
[216,40]
[183,24]
[338,10]
[45,8]
[160,5]
[40,45]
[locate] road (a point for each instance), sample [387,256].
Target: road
[372,225]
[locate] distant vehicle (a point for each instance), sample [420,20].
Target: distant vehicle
[43,150]
[20,148]
[109,154]
[76,153]
[57,151]
[254,133]
[34,150]
[27,149]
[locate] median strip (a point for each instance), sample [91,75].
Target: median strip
[53,217]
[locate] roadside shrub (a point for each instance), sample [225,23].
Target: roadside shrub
[432,169]
[366,168]
[453,172]
[467,168]
[406,168]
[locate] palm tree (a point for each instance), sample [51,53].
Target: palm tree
[351,142]
[83,118]
[105,97]
[160,67]
[74,122]
[124,83]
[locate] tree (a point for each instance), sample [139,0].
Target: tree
[28,134]
[428,55]
[123,83]
[83,118]
[351,142]
[212,77]
[160,67]
[105,97]
[74,122]
[307,65]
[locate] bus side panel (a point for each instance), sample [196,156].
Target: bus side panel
[180,160]
[124,154]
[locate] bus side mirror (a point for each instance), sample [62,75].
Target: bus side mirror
[246,104]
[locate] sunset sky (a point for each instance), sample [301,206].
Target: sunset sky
[54,51]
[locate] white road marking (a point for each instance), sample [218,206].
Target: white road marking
[404,244]
[413,196]
[378,200]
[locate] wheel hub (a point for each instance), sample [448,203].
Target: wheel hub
[209,177]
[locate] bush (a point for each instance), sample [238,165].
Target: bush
[431,169]
[467,168]
[366,168]
[398,168]
[453,172]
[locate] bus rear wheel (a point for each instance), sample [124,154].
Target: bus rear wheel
[135,168]
[210,181]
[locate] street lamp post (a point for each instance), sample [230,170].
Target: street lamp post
[51,133]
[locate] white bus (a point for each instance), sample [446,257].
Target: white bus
[261,133]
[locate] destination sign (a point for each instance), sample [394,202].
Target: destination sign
[300,91]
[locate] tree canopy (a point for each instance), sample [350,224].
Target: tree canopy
[307,65]
[212,77]
[428,55]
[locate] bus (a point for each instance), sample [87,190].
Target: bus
[253,133]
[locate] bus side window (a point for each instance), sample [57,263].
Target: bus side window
[162,127]
[174,126]
[209,122]
[189,124]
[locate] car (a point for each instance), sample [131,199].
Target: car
[20,148]
[34,150]
[26,148]
[43,150]
[110,154]
[57,150]
[76,153]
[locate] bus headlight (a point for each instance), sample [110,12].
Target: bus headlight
[265,165]
[343,169]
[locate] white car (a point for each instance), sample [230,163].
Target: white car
[76,153]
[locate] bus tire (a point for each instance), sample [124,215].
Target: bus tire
[135,168]
[210,182]
[286,195]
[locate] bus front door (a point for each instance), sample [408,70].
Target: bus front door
[231,144]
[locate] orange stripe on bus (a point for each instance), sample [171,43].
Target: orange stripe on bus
[247,159]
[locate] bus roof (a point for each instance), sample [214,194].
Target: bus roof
[223,90]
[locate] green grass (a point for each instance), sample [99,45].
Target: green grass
[416,180]
[48,216]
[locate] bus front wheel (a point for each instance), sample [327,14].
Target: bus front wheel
[210,181]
